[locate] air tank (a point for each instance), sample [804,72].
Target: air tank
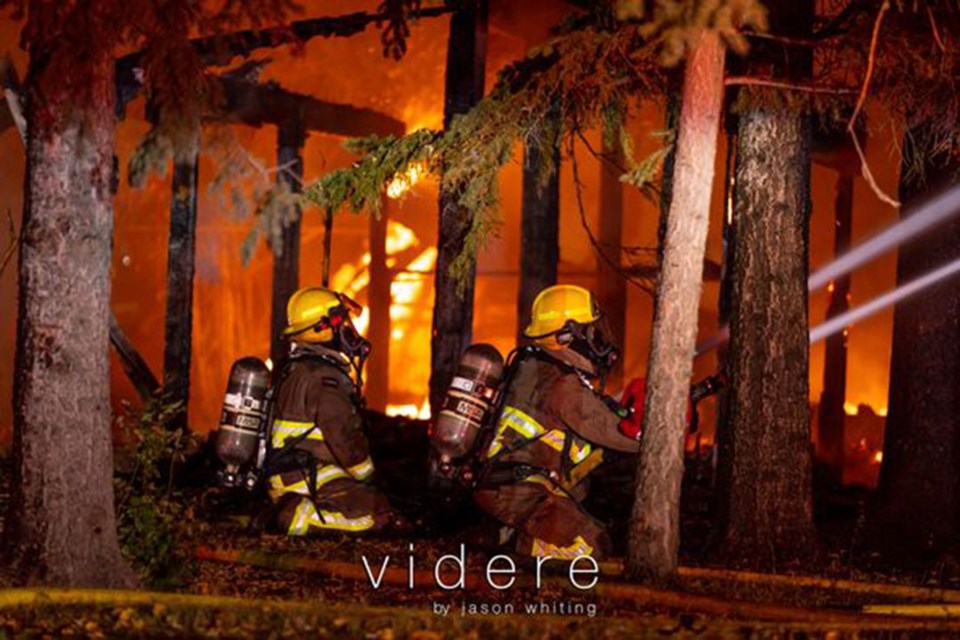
[470,398]
[243,417]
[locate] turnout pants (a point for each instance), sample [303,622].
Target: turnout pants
[342,504]
[548,520]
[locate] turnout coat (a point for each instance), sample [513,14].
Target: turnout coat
[323,477]
[550,435]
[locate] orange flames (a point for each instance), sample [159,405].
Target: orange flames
[409,313]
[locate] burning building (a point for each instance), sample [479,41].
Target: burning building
[231,310]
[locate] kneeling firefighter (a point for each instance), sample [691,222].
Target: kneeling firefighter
[320,473]
[552,430]
[553,427]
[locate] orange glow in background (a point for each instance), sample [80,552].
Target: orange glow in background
[232,302]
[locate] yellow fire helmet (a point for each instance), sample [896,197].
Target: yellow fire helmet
[312,312]
[556,305]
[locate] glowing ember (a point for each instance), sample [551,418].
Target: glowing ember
[411,411]
[878,457]
[851,409]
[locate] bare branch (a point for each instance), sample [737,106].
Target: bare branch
[597,247]
[13,91]
[799,42]
[14,243]
[936,31]
[851,125]
[733,81]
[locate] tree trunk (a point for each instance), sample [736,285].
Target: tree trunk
[918,500]
[672,124]
[831,413]
[453,306]
[611,285]
[136,368]
[378,367]
[655,521]
[286,257]
[327,247]
[769,514]
[539,231]
[719,500]
[181,257]
[61,528]
[766,461]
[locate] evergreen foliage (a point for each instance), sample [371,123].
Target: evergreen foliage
[151,519]
[585,77]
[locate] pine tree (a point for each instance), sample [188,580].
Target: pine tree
[453,301]
[61,529]
[691,30]
[766,456]
[917,506]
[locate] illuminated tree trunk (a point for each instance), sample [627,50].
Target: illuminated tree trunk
[655,521]
[540,231]
[611,285]
[831,413]
[61,528]
[286,257]
[453,307]
[918,499]
[181,260]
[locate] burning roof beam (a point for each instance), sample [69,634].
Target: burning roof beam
[258,104]
[218,50]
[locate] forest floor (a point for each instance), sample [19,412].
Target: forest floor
[237,584]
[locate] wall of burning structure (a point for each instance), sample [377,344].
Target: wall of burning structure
[231,306]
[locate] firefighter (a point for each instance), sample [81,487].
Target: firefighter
[320,471]
[552,431]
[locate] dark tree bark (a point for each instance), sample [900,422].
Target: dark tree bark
[766,462]
[655,521]
[672,124]
[539,231]
[831,413]
[453,307]
[611,285]
[768,465]
[286,257]
[61,528]
[181,258]
[918,501]
[378,367]
[327,247]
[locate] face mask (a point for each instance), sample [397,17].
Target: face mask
[591,342]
